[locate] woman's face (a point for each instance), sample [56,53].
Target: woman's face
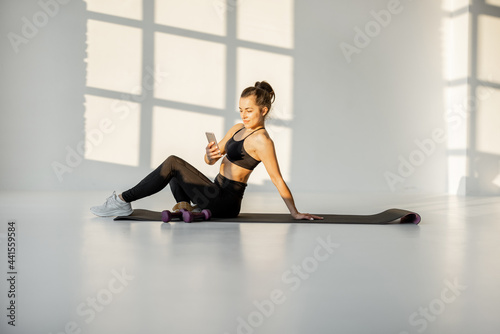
[251,115]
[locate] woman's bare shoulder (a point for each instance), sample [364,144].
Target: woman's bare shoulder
[233,129]
[262,139]
[262,145]
[263,135]
[237,126]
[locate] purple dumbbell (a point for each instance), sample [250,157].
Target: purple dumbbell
[189,216]
[167,216]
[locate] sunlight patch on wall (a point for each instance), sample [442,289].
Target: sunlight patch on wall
[488,51]
[196,69]
[455,59]
[453,5]
[112,130]
[266,22]
[456,116]
[455,47]
[456,119]
[493,2]
[131,9]
[182,133]
[114,57]
[198,15]
[488,121]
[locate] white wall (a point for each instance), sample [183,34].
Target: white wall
[345,126]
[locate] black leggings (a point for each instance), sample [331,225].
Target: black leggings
[223,196]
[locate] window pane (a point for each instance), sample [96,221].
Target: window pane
[488,120]
[488,48]
[266,22]
[131,9]
[196,70]
[457,100]
[493,2]
[455,47]
[453,5]
[112,130]
[198,15]
[114,57]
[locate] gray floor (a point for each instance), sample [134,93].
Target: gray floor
[77,273]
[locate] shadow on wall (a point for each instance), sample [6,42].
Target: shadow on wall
[161,73]
[483,138]
[484,181]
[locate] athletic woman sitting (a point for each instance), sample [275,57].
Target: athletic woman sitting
[243,147]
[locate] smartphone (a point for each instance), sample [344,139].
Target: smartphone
[211,138]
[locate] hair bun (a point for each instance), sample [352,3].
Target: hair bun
[264,95]
[267,87]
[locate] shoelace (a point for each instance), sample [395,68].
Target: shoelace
[109,199]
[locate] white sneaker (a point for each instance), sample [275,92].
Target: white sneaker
[113,206]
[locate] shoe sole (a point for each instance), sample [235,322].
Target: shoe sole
[112,213]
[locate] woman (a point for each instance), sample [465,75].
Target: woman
[244,146]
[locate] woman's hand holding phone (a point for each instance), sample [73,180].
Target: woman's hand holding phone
[212,149]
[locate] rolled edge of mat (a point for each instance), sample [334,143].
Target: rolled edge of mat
[404,216]
[412,217]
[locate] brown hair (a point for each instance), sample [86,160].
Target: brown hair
[264,94]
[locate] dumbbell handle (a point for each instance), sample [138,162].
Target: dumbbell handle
[188,216]
[167,215]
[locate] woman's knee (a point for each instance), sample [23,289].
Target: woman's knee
[172,159]
[170,165]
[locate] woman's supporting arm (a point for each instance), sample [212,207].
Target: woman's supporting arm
[287,196]
[267,154]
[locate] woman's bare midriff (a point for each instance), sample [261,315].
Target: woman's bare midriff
[234,172]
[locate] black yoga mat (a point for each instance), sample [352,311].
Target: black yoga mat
[385,217]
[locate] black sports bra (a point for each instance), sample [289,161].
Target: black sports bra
[235,152]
